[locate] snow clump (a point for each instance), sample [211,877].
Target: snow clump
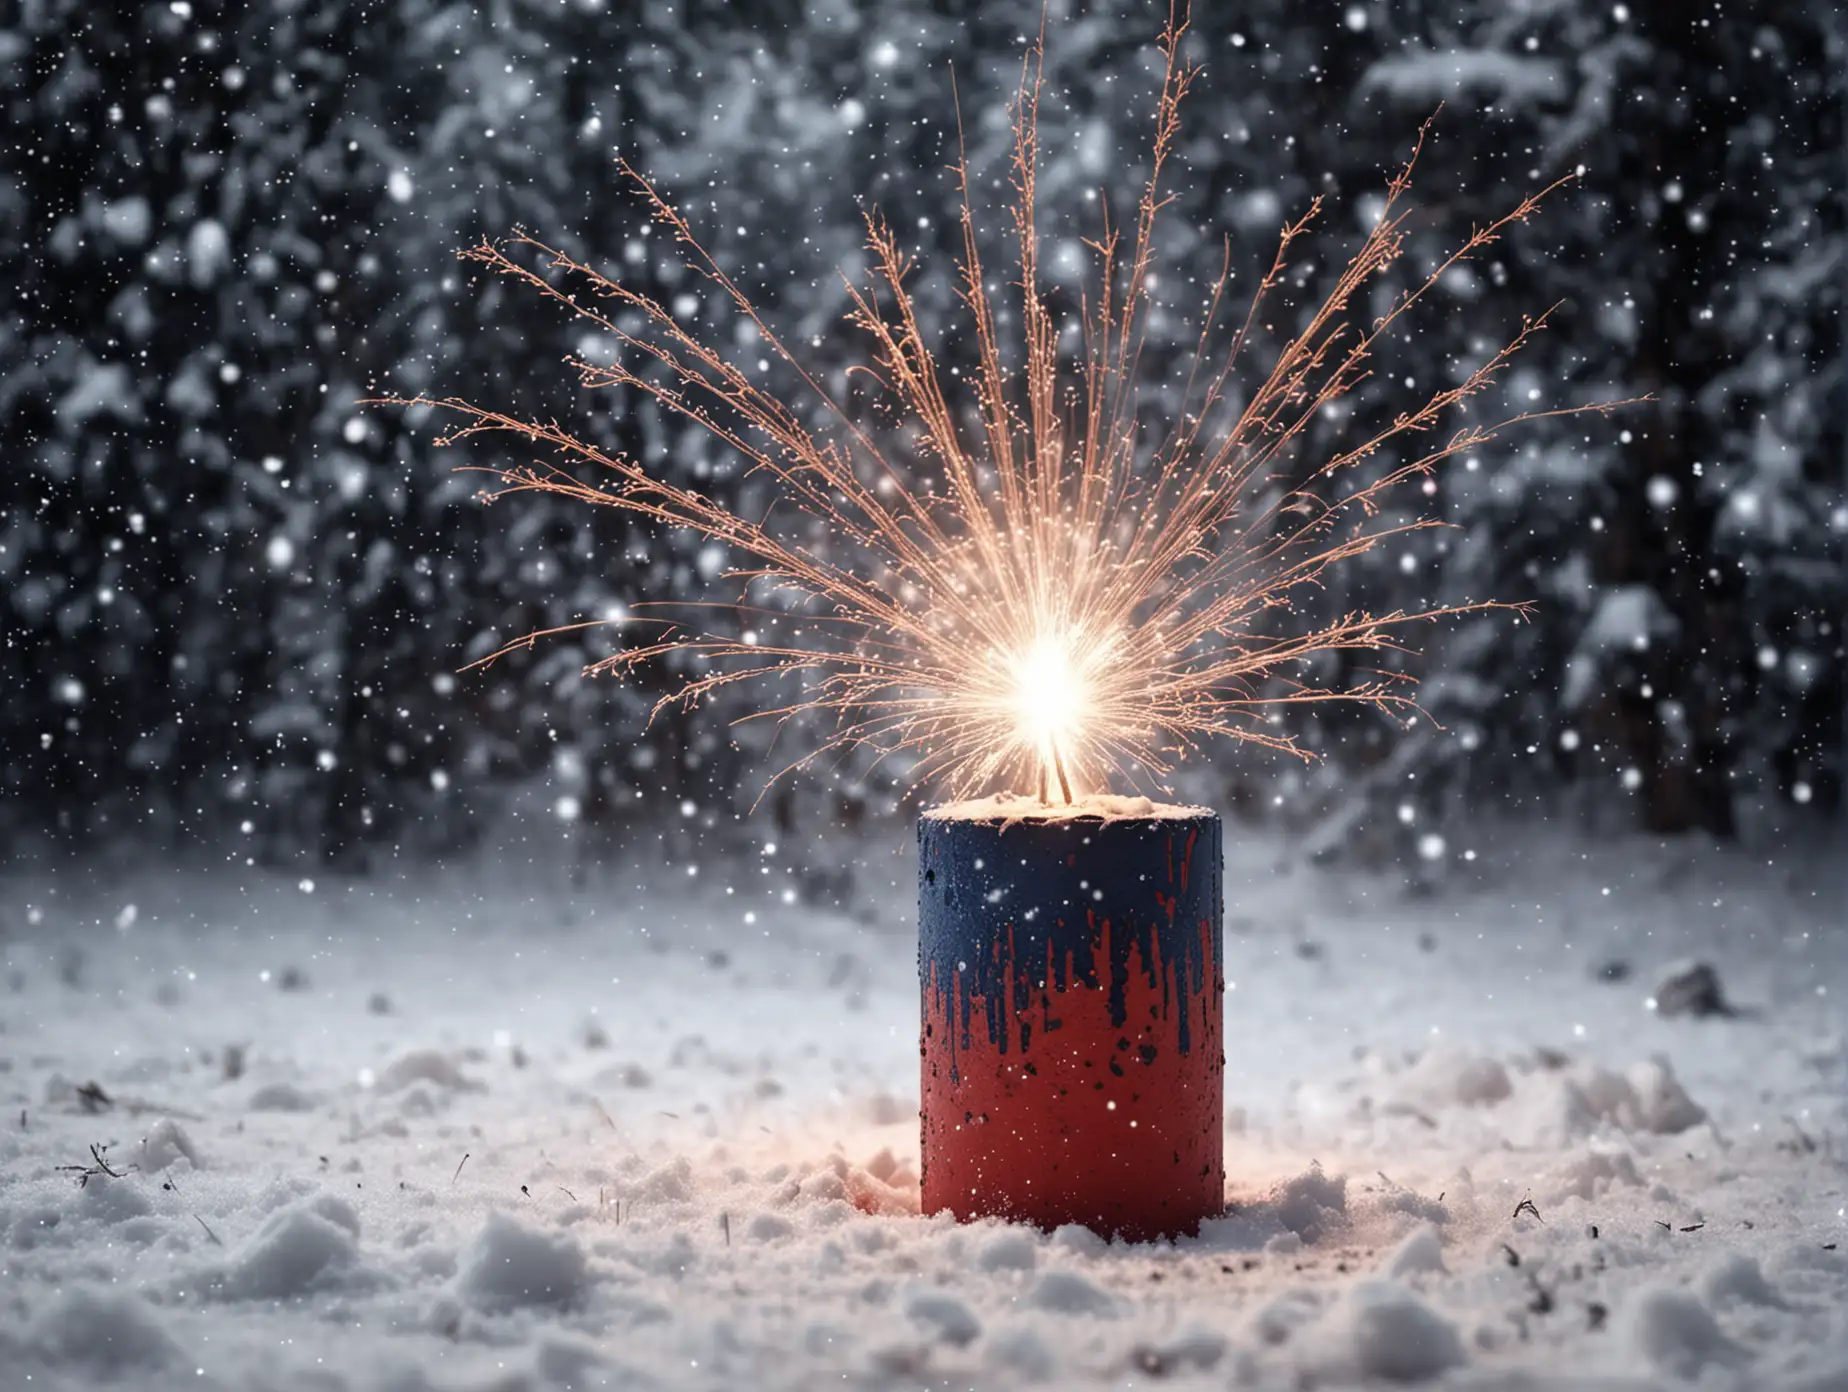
[510,1266]
[1383,1331]
[165,1143]
[103,1332]
[1673,1333]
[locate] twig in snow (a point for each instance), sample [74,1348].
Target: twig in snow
[208,1230]
[1804,1142]
[1542,1303]
[725,1223]
[1514,1257]
[1527,1206]
[93,1098]
[1693,1227]
[459,1164]
[567,1193]
[100,1166]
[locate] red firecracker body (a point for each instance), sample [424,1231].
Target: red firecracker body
[1073,982]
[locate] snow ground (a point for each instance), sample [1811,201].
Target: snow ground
[490,1131]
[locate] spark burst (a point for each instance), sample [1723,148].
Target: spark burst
[1046,594]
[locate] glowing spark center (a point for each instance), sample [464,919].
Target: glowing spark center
[1051,699]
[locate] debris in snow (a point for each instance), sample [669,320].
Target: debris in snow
[510,1267]
[1691,988]
[92,1098]
[99,1167]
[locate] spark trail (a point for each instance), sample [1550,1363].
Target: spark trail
[1043,593]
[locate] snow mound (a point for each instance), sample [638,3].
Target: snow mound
[1008,1251]
[669,1183]
[509,1267]
[1446,1076]
[1068,1293]
[1673,1332]
[1383,1331]
[1553,1109]
[1736,1279]
[282,1097]
[1662,1105]
[945,1316]
[769,1227]
[1591,1175]
[1192,1350]
[116,1202]
[300,1249]
[1021,1354]
[1311,1204]
[1421,1253]
[165,1143]
[103,1332]
[425,1066]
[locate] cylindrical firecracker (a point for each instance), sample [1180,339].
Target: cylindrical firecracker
[1073,987]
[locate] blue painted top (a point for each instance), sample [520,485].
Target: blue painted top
[1008,910]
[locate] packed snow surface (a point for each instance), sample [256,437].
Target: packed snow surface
[1011,807]
[485,1129]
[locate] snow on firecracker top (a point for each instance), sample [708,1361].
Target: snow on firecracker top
[1109,807]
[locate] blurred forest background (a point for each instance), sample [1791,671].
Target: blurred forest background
[235,602]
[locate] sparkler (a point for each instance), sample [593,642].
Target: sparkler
[1049,594]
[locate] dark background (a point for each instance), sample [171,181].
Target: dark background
[235,603]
